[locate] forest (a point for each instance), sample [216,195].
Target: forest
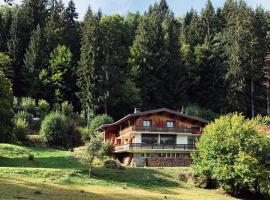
[215,58]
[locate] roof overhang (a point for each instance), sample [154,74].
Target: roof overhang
[153,112]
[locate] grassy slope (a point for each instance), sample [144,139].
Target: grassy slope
[53,172]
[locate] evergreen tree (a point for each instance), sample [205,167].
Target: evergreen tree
[115,49]
[33,63]
[71,30]
[237,34]
[90,65]
[6,111]
[6,13]
[209,20]
[148,60]
[53,29]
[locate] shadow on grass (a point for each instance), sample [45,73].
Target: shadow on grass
[14,189]
[61,162]
[137,177]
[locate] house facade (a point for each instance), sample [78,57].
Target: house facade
[154,138]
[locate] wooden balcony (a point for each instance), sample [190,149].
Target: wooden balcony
[159,129]
[141,146]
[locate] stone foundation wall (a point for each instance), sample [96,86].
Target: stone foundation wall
[183,161]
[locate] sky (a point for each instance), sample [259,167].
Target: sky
[180,7]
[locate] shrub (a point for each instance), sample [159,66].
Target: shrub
[25,116]
[74,134]
[21,128]
[54,129]
[43,108]
[84,132]
[6,111]
[67,109]
[233,153]
[98,121]
[28,104]
[31,157]
[113,164]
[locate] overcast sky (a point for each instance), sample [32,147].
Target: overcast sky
[180,7]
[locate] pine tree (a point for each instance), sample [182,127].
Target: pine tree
[53,29]
[148,60]
[237,34]
[33,63]
[71,30]
[90,65]
[209,20]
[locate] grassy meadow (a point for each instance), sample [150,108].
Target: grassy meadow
[55,174]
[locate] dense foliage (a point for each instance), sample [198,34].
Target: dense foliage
[54,129]
[98,121]
[214,58]
[234,152]
[6,109]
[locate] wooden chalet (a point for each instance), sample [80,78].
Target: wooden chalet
[160,137]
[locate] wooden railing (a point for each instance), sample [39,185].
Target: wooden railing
[159,129]
[163,129]
[141,146]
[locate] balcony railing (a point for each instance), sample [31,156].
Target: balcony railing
[141,146]
[160,129]
[163,129]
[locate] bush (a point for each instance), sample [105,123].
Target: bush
[25,116]
[21,128]
[54,129]
[31,157]
[67,109]
[6,111]
[233,152]
[43,108]
[74,134]
[197,111]
[28,104]
[98,121]
[113,164]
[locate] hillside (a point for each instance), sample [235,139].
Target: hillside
[54,171]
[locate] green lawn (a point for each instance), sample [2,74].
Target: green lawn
[53,171]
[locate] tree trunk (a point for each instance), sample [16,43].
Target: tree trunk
[105,108]
[268,103]
[90,170]
[252,98]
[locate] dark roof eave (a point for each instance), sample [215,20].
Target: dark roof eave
[151,112]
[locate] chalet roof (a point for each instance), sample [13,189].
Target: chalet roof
[153,112]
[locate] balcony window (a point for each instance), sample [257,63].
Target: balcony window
[190,141]
[146,123]
[149,138]
[167,139]
[170,124]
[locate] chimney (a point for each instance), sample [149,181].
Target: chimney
[137,110]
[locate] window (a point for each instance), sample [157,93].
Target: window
[168,155]
[145,155]
[146,123]
[167,139]
[190,141]
[170,124]
[149,138]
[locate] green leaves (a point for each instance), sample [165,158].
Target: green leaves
[233,152]
[6,110]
